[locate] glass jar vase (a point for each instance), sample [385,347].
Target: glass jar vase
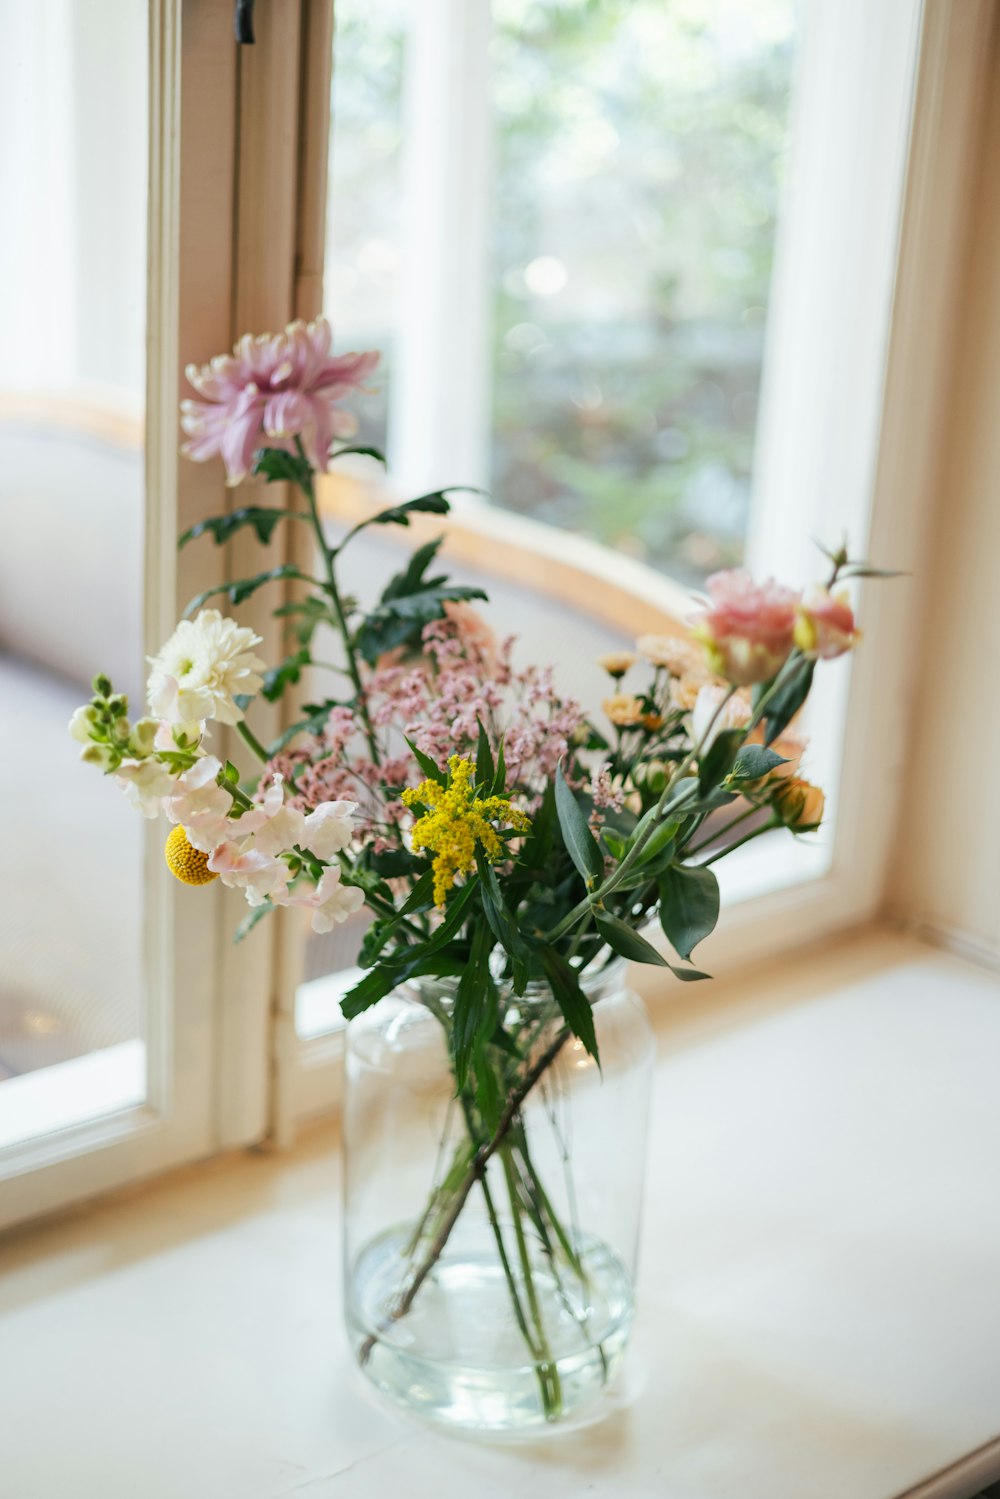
[491,1231]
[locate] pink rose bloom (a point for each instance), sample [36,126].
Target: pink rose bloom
[747,629]
[269,391]
[824,624]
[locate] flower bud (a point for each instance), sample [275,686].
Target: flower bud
[101,685]
[824,624]
[82,722]
[101,755]
[798,804]
[143,734]
[118,705]
[617,663]
[652,774]
[121,730]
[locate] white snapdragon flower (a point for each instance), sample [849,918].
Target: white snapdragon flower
[81,724]
[328,829]
[206,662]
[145,784]
[245,867]
[201,805]
[331,901]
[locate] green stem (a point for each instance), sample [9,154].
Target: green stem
[309,490]
[547,1369]
[246,733]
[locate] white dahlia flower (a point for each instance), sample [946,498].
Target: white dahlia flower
[206,662]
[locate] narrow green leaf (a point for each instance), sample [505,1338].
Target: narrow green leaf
[484,762]
[500,778]
[570,998]
[421,895]
[580,843]
[399,515]
[689,906]
[474,1002]
[501,922]
[688,975]
[248,923]
[278,467]
[427,765]
[626,941]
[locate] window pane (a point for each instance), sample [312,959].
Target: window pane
[72,369]
[638,155]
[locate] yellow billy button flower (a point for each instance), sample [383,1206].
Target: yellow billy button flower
[456,821]
[186,863]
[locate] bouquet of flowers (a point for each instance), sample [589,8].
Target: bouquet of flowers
[499,836]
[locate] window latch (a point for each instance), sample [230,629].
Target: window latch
[243,22]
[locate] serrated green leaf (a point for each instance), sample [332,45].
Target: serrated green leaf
[278,467]
[262,518]
[285,675]
[689,906]
[362,452]
[626,941]
[242,589]
[580,843]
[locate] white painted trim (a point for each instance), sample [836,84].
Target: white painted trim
[189,263]
[80,1091]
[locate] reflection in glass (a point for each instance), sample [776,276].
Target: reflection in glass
[72,370]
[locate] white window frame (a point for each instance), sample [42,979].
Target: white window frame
[224,227]
[850,429]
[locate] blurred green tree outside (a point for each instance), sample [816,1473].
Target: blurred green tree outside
[639,154]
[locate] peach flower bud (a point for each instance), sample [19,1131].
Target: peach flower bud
[799,804]
[617,663]
[824,624]
[747,628]
[679,656]
[623,710]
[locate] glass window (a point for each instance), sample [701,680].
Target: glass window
[72,371]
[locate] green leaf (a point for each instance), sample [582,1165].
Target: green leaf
[484,762]
[580,843]
[787,700]
[237,592]
[289,672]
[262,518]
[475,1004]
[314,723]
[393,863]
[688,975]
[502,923]
[626,941]
[659,842]
[232,773]
[616,847]
[399,515]
[489,1093]
[362,452]
[720,758]
[689,906]
[574,1004]
[500,778]
[307,615]
[400,620]
[248,923]
[427,765]
[279,467]
[421,895]
[754,761]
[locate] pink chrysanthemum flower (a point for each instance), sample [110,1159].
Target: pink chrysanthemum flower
[270,391]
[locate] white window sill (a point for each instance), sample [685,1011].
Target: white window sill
[819,1304]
